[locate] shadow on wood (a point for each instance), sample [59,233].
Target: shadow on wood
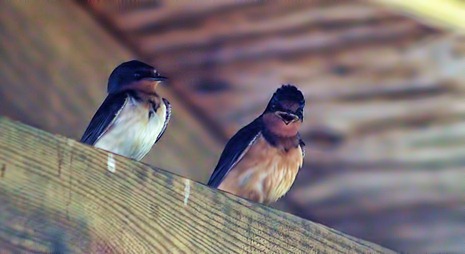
[61,196]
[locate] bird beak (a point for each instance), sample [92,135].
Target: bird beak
[155,76]
[159,78]
[286,117]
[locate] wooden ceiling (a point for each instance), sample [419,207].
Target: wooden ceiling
[351,59]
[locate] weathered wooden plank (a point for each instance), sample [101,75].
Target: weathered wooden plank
[61,196]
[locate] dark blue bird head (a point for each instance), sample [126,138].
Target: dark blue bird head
[129,73]
[287,103]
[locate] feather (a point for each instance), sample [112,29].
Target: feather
[104,118]
[167,118]
[235,149]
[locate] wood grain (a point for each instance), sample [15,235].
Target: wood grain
[58,195]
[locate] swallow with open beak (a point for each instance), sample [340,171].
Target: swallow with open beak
[260,162]
[133,117]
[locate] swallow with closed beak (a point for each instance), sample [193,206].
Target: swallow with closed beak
[260,162]
[133,117]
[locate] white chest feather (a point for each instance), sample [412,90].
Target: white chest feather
[135,130]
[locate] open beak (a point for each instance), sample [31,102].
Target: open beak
[287,117]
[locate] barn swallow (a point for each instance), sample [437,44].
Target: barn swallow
[133,117]
[260,162]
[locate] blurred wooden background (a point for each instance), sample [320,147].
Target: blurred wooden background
[385,118]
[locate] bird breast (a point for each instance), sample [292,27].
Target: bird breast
[265,173]
[135,130]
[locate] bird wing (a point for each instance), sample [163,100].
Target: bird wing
[104,118]
[167,118]
[235,149]
[302,146]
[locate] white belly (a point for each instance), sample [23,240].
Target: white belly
[133,133]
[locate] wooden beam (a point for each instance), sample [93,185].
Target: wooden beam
[61,196]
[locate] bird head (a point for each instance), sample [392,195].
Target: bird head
[287,104]
[133,75]
[285,111]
